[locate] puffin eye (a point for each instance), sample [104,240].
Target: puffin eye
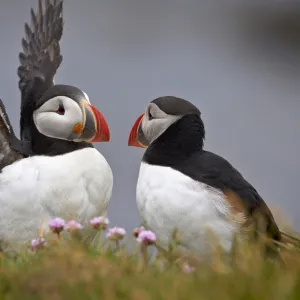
[61,109]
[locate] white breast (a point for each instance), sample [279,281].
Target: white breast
[169,200]
[75,185]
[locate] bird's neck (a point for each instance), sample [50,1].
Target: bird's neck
[43,145]
[181,140]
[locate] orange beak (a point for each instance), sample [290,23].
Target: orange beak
[133,136]
[101,129]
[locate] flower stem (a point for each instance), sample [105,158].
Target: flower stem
[144,256]
[117,245]
[99,241]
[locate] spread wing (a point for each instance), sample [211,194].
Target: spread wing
[40,57]
[10,146]
[219,173]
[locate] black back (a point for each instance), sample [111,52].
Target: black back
[181,148]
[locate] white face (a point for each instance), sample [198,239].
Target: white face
[57,117]
[155,122]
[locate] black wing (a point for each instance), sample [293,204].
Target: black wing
[11,149]
[217,172]
[40,58]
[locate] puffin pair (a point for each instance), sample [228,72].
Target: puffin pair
[185,188]
[54,170]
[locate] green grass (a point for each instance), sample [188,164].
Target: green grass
[67,270]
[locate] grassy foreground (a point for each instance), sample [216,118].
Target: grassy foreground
[65,269]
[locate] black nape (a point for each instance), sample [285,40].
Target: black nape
[176,106]
[178,142]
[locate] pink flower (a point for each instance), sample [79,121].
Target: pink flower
[57,225]
[116,233]
[146,237]
[99,223]
[73,226]
[37,244]
[187,268]
[137,231]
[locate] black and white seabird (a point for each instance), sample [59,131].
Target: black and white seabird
[183,187]
[54,170]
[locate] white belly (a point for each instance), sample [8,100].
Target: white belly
[169,200]
[75,185]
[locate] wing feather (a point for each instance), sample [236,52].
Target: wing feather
[8,154]
[219,173]
[40,57]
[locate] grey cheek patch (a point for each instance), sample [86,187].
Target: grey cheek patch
[157,127]
[141,137]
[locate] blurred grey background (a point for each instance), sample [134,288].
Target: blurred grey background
[238,61]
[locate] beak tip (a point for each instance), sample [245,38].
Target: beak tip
[102,130]
[107,138]
[133,136]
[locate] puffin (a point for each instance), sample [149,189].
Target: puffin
[53,170]
[185,189]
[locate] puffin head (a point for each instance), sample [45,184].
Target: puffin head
[159,115]
[65,112]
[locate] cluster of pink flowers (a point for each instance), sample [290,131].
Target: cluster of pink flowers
[116,233]
[73,225]
[143,236]
[57,225]
[38,244]
[99,223]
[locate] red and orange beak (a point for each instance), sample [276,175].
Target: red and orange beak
[134,136]
[94,127]
[102,133]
